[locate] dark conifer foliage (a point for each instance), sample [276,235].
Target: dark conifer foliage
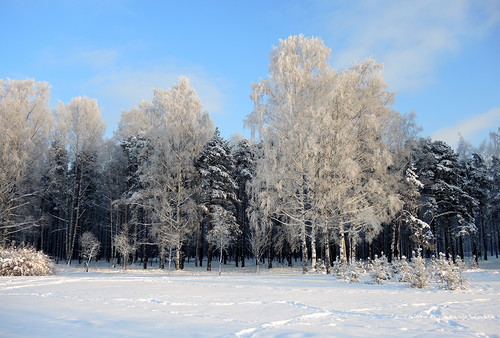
[216,166]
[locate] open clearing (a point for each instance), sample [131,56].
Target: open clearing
[279,302]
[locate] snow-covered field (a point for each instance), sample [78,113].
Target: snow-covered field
[279,302]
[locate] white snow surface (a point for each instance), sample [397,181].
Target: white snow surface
[107,302]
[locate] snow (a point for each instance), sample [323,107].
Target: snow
[107,302]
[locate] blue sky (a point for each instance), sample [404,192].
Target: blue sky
[441,57]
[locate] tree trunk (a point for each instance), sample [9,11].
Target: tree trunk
[313,250]
[304,250]
[220,262]
[483,235]
[327,253]
[342,245]
[178,256]
[461,244]
[270,249]
[209,257]
[162,258]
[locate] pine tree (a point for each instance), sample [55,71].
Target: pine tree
[477,184]
[54,200]
[216,167]
[243,173]
[445,200]
[494,202]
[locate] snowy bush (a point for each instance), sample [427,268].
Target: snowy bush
[356,270]
[419,273]
[460,263]
[447,272]
[440,267]
[380,272]
[320,267]
[405,271]
[24,262]
[421,276]
[340,270]
[455,279]
[473,262]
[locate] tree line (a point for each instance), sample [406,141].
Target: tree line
[331,172]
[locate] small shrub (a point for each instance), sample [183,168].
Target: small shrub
[24,262]
[440,267]
[340,270]
[380,271]
[356,270]
[405,271]
[320,267]
[473,262]
[455,280]
[421,277]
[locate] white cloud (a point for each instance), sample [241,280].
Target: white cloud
[98,58]
[130,87]
[409,37]
[121,89]
[469,128]
[93,58]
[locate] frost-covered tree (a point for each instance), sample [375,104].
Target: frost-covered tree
[465,149]
[25,123]
[178,130]
[216,168]
[112,184]
[80,129]
[89,247]
[401,137]
[446,202]
[130,199]
[284,106]
[124,245]
[420,231]
[355,190]
[223,231]
[325,162]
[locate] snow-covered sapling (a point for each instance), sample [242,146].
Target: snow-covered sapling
[380,271]
[89,246]
[405,271]
[421,277]
[124,246]
[224,231]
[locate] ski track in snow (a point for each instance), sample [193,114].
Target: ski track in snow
[248,305]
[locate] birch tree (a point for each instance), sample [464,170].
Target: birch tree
[89,247]
[81,128]
[25,123]
[284,106]
[223,232]
[325,163]
[179,130]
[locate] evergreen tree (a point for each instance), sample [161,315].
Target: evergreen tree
[444,197]
[478,185]
[494,203]
[243,174]
[216,168]
[54,200]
